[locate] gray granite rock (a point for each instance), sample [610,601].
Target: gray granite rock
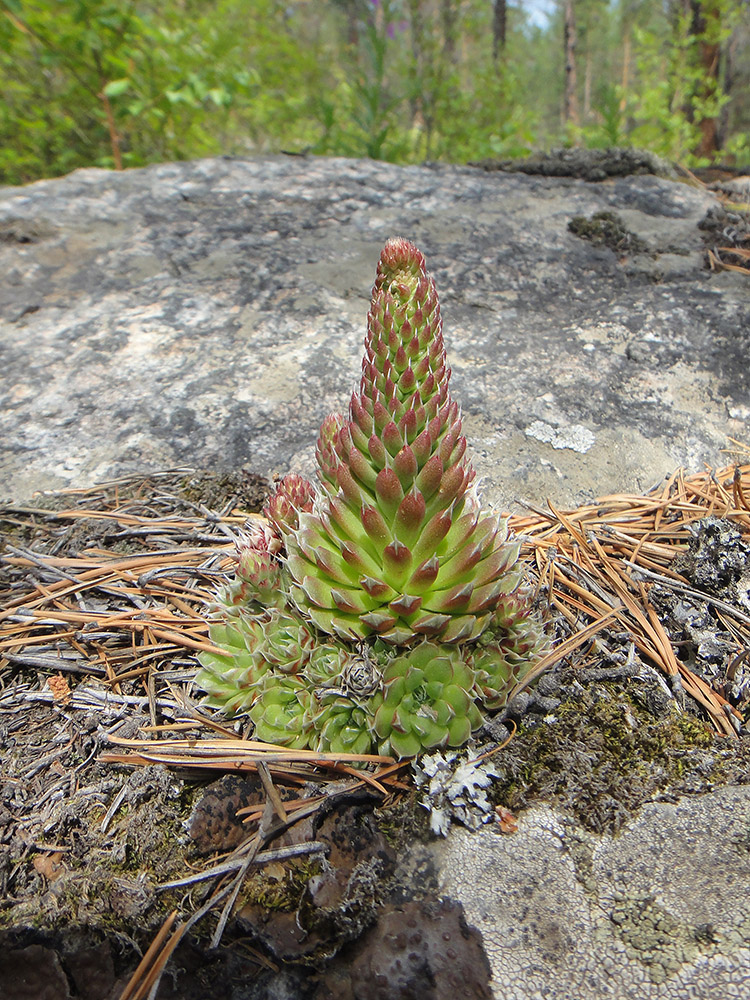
[211,313]
[658,912]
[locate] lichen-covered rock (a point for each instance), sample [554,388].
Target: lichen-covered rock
[209,314]
[658,911]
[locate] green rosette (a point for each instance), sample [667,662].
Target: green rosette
[427,701]
[343,726]
[507,652]
[232,680]
[287,641]
[282,713]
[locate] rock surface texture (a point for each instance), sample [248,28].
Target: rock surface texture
[210,314]
[658,911]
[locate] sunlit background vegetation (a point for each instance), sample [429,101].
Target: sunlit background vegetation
[113,83]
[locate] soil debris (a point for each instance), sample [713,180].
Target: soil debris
[124,804]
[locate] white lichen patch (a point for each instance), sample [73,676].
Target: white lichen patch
[455,790]
[576,437]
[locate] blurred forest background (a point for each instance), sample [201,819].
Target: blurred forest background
[126,83]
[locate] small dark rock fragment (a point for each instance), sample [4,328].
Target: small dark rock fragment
[32,973]
[214,825]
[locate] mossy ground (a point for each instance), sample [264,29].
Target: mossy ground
[607,229]
[603,752]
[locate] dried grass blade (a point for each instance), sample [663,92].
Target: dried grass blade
[572,530]
[564,649]
[740,499]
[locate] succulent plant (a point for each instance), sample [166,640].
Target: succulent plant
[287,642]
[292,495]
[276,641]
[259,574]
[343,725]
[383,607]
[232,680]
[326,664]
[427,701]
[397,546]
[282,712]
[506,651]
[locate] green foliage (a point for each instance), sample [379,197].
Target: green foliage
[91,82]
[667,107]
[109,83]
[609,127]
[363,114]
[675,94]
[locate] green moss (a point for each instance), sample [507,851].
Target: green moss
[279,887]
[603,755]
[607,229]
[241,489]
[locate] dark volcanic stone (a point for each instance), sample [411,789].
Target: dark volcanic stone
[718,560]
[32,973]
[418,951]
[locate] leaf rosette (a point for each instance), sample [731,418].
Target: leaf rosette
[232,679]
[427,701]
[282,713]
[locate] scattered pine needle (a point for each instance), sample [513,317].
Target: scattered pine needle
[125,627]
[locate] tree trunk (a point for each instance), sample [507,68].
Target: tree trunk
[706,28]
[587,74]
[449,18]
[570,106]
[499,27]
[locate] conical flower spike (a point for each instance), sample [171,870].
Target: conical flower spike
[397,545]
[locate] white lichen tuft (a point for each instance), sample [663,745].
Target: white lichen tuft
[455,790]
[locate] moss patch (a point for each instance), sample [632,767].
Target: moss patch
[602,755]
[606,229]
[241,489]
